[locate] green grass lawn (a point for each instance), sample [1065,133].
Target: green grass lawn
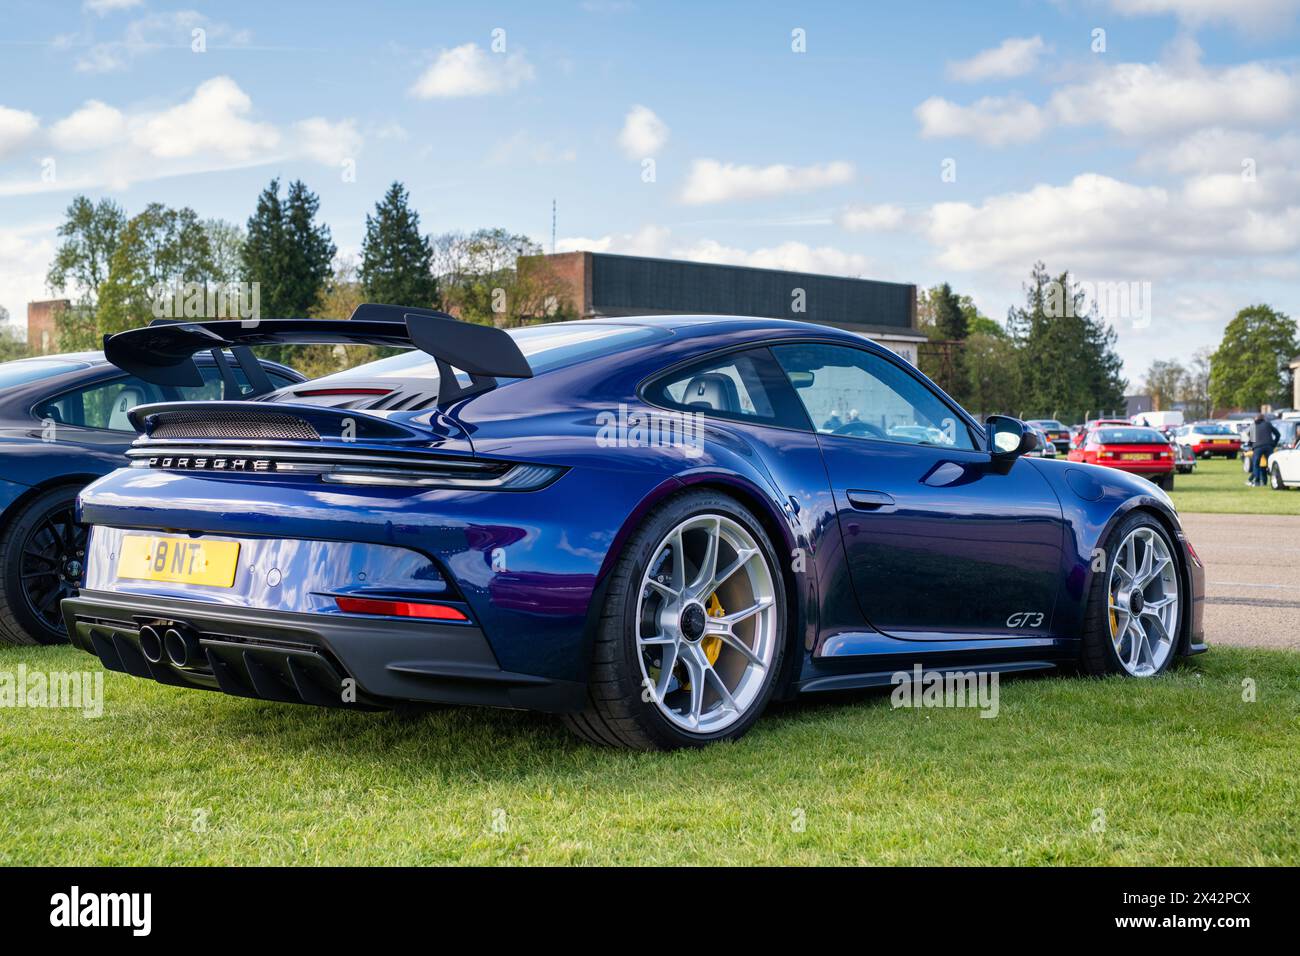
[1219,486]
[1073,770]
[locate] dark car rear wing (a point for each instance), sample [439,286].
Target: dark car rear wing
[163,351]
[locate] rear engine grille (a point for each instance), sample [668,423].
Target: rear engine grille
[272,426]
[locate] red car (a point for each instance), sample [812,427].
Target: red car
[1078,438]
[1142,451]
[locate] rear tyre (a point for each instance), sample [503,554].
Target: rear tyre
[692,635]
[1275,479]
[1166,482]
[42,552]
[1135,606]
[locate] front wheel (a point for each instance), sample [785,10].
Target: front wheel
[693,632]
[1135,606]
[1275,479]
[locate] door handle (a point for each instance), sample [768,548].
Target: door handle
[870,500]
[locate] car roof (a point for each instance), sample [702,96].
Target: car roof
[701,325]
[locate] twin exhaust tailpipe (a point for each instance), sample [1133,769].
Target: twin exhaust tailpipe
[177,644]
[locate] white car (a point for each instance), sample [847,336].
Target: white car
[1284,467]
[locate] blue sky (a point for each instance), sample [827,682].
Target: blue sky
[1171,157]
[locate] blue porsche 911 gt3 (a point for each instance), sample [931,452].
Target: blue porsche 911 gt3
[653,526]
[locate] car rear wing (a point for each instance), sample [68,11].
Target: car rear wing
[163,351]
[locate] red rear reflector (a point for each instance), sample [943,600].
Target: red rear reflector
[308,392]
[437,612]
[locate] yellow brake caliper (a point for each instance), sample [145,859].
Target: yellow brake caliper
[712,645]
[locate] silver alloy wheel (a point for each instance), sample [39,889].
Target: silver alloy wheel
[1143,597]
[706,624]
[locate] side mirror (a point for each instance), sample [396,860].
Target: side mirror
[1008,437]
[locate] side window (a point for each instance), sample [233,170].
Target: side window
[104,405]
[746,386]
[851,392]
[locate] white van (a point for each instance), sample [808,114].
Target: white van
[1158,419]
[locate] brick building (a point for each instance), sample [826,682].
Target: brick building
[598,284]
[41,334]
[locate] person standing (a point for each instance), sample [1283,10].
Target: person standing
[1263,438]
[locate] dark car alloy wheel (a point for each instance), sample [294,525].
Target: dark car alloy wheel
[44,551]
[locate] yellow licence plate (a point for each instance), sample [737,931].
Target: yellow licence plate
[1136,457]
[1222,441]
[184,560]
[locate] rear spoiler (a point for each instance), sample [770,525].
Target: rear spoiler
[163,351]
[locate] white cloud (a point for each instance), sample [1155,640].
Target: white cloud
[327,143]
[710,181]
[16,127]
[881,217]
[1107,227]
[1251,15]
[102,7]
[215,129]
[468,70]
[643,133]
[792,256]
[994,120]
[1218,150]
[1150,99]
[94,126]
[1014,56]
[1175,96]
[213,121]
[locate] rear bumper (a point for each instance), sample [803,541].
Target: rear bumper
[1211,450]
[327,660]
[1146,469]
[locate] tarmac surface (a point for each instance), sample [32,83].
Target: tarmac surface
[1252,577]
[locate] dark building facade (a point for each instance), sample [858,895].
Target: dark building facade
[600,284]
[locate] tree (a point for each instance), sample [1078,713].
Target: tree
[495,277]
[286,251]
[1165,382]
[1069,365]
[227,243]
[1196,386]
[90,234]
[949,319]
[396,260]
[11,346]
[983,325]
[1250,367]
[993,375]
[159,250]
